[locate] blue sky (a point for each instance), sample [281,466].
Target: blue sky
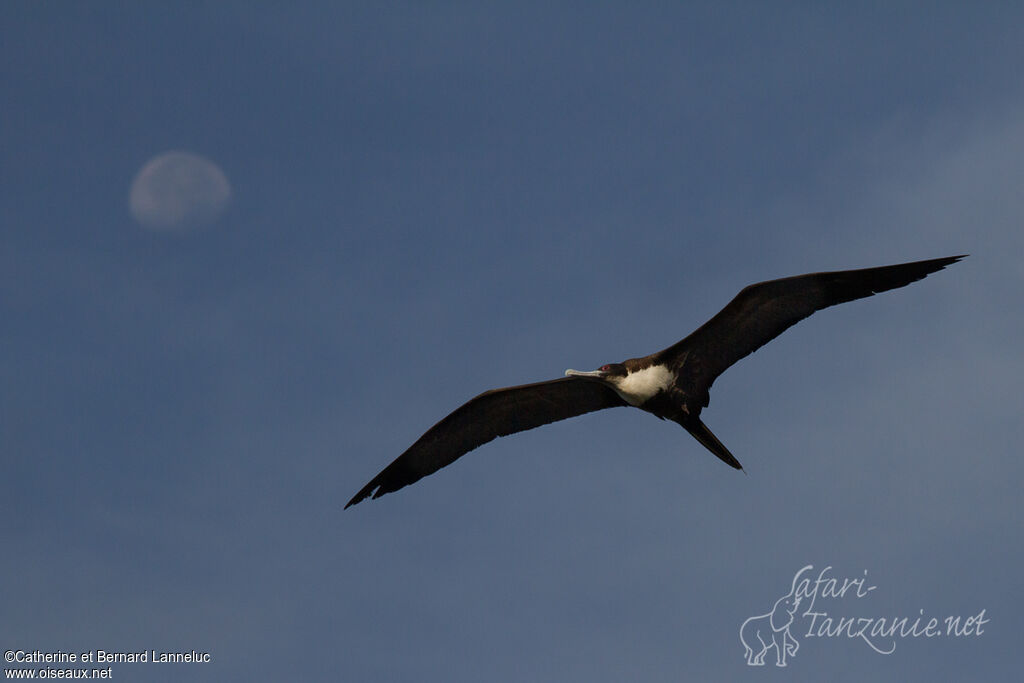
[434,199]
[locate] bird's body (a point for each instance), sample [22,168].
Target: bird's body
[643,383]
[672,384]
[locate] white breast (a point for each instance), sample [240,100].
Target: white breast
[636,387]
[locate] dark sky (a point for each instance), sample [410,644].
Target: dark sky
[433,199]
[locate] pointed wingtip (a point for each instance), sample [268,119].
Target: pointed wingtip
[363,493]
[937,264]
[949,260]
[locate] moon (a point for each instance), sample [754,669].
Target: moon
[178,191]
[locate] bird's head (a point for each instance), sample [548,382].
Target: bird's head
[609,374]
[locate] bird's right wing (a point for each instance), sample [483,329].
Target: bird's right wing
[494,413]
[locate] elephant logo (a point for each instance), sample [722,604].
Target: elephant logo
[765,631]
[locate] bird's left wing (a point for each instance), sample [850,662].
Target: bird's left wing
[763,311]
[494,413]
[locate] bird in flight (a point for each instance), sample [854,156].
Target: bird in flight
[672,384]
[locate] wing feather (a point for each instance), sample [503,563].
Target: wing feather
[494,413]
[763,311]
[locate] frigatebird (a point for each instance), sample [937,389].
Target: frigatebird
[672,384]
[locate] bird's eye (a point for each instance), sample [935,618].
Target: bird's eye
[606,368]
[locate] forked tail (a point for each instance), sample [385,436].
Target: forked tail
[700,431]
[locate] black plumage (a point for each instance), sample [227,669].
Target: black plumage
[672,384]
